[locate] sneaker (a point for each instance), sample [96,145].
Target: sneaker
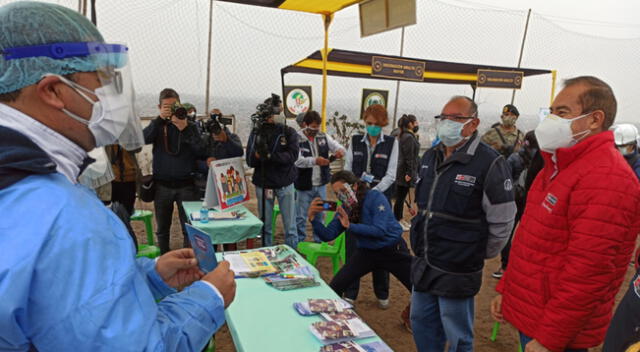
[498,274]
[405,226]
[350,301]
[383,303]
[406,318]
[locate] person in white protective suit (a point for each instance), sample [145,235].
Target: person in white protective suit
[69,278]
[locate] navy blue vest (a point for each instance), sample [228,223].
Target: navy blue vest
[380,157]
[304,181]
[449,194]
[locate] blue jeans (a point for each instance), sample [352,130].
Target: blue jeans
[303,201]
[524,340]
[436,319]
[286,201]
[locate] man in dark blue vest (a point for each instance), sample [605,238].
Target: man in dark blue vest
[313,168]
[373,157]
[465,197]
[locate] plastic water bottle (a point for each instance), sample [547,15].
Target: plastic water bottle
[204,215]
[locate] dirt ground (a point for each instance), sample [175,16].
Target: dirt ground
[387,323]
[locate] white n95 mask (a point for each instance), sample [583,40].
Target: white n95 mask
[554,132]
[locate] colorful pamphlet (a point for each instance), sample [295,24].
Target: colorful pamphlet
[344,315]
[341,330]
[332,330]
[297,278]
[226,184]
[202,247]
[352,346]
[249,264]
[304,309]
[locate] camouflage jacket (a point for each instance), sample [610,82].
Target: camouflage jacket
[503,141]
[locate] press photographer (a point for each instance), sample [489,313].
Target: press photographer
[221,143]
[272,150]
[176,147]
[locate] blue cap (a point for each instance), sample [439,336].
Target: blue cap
[33,24]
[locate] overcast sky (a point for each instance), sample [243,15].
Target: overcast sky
[168,41]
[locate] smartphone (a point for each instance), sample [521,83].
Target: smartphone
[329,205]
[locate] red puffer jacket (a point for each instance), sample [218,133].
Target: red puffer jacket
[573,246]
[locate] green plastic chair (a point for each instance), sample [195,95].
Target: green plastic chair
[149,250]
[274,218]
[494,335]
[312,251]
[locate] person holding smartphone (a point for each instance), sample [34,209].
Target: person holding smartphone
[366,215]
[373,157]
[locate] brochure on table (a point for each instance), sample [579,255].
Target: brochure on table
[226,184]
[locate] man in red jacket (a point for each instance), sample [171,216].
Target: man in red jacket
[574,242]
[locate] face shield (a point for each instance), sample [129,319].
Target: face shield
[113,119]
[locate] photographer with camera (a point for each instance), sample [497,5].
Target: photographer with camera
[176,147]
[272,150]
[219,141]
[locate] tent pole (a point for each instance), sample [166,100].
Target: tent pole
[554,75]
[395,106]
[206,94]
[524,38]
[325,56]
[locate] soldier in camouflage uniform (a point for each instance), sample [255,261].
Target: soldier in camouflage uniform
[505,137]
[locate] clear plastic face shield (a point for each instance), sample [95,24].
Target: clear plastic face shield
[113,118]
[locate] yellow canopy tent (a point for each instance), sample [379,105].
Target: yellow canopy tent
[325,8]
[357,64]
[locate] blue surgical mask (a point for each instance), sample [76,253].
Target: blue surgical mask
[373,130]
[449,132]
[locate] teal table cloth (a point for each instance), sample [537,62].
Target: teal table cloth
[226,231]
[262,318]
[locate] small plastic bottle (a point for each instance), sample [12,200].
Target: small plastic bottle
[204,215]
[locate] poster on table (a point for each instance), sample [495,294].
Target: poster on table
[297,100]
[371,97]
[226,184]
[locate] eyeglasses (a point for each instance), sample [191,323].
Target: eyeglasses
[453,117]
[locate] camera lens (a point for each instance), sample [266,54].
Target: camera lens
[181,113]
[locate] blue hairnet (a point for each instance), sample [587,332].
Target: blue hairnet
[27,23]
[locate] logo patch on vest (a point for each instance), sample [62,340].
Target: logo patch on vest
[508,185]
[283,140]
[549,202]
[465,180]
[358,153]
[322,142]
[381,156]
[636,285]
[305,150]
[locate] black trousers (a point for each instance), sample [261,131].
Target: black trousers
[124,193]
[401,195]
[625,325]
[395,259]
[163,204]
[504,254]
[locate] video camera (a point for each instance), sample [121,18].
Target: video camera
[270,107]
[178,111]
[217,122]
[266,132]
